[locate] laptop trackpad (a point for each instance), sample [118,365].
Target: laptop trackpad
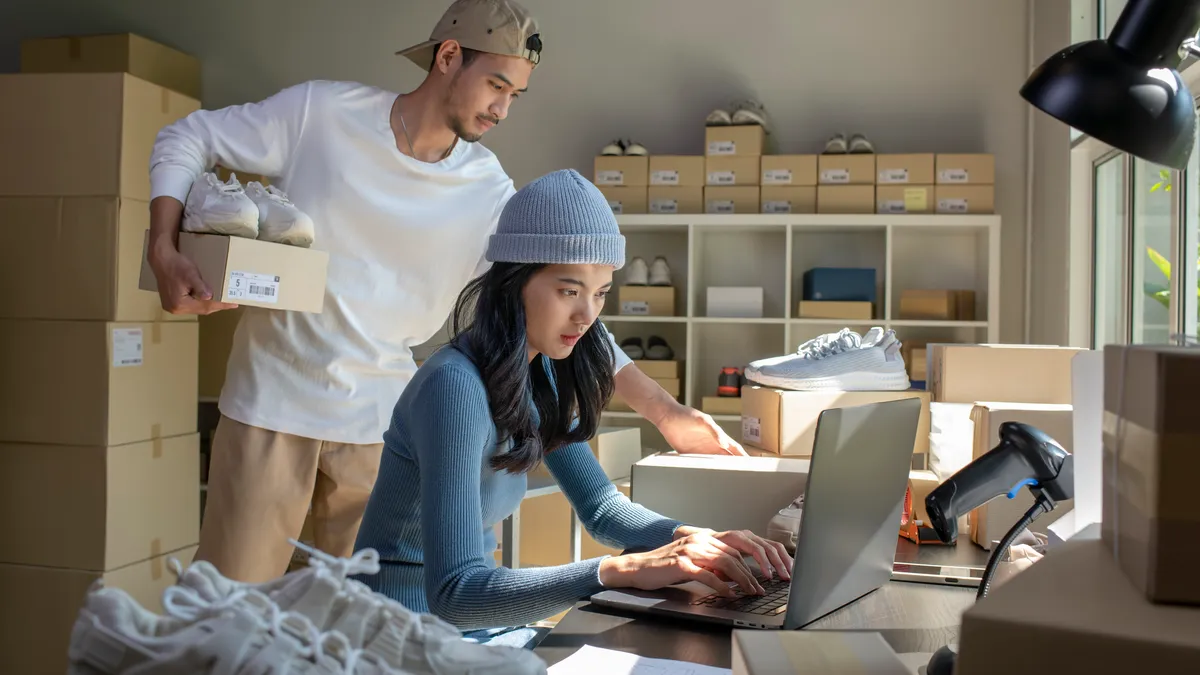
[686,593]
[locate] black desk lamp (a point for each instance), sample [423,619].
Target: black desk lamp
[1125,90]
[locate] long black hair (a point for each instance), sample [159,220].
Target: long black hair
[489,326]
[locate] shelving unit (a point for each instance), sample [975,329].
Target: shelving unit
[774,251]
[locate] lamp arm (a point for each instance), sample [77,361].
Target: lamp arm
[1192,46]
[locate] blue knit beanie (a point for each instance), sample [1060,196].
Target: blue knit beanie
[560,218]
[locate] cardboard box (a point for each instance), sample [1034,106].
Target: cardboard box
[910,169]
[128,382]
[785,422]
[677,170]
[937,304]
[216,343]
[991,522]
[853,284]
[965,199]
[722,492]
[920,484]
[747,141]
[116,53]
[846,170]
[790,199]
[789,170]
[75,258]
[735,199]
[732,170]
[1151,431]
[52,150]
[621,171]
[41,604]
[742,302]
[664,370]
[793,652]
[617,449]
[252,273]
[671,385]
[916,360]
[846,199]
[646,300]
[962,373]
[675,199]
[624,200]
[835,309]
[1074,612]
[721,405]
[973,169]
[904,199]
[107,507]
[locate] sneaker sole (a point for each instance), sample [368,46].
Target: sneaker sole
[859,381]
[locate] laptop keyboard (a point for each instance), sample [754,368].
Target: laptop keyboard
[772,601]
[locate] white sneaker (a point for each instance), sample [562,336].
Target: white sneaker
[279,220]
[859,145]
[840,365]
[660,272]
[718,118]
[636,149]
[784,526]
[413,643]
[822,345]
[751,112]
[213,207]
[613,149]
[836,145]
[247,632]
[637,273]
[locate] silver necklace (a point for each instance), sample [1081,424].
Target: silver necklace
[404,127]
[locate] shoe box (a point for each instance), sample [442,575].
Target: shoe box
[741,302]
[965,184]
[785,422]
[1074,611]
[845,199]
[114,53]
[646,300]
[721,405]
[725,170]
[41,604]
[835,309]
[787,199]
[735,141]
[990,522]
[937,304]
[626,199]
[621,171]
[731,199]
[676,184]
[791,171]
[846,169]
[770,652]
[722,492]
[251,273]
[841,284]
[1151,517]
[675,199]
[966,373]
[905,183]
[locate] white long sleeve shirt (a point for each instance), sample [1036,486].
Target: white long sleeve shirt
[403,237]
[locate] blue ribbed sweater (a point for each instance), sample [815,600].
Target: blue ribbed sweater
[432,513]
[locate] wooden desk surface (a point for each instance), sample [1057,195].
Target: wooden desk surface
[912,617]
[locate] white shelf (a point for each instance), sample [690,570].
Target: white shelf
[773,252]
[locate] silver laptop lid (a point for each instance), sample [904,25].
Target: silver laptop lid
[852,506]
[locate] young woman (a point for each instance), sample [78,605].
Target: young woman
[524,380]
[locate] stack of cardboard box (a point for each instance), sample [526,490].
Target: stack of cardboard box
[732,168]
[624,180]
[966,184]
[98,447]
[668,375]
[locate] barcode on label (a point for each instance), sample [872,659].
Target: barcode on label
[639,307]
[664,206]
[835,176]
[127,347]
[720,206]
[617,207]
[777,207]
[752,429]
[261,290]
[955,175]
[254,287]
[893,176]
[952,206]
[777,177]
[664,178]
[610,178]
[722,148]
[892,206]
[722,178]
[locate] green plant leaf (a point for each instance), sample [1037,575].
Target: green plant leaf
[1159,261]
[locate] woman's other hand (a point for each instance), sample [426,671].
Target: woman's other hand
[696,555]
[772,556]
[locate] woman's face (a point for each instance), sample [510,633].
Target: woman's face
[561,304]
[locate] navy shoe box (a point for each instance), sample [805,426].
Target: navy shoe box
[845,284]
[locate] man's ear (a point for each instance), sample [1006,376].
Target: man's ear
[447,53]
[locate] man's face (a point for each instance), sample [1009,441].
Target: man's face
[481,92]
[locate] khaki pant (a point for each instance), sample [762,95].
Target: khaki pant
[260,486]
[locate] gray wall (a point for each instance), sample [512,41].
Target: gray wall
[917,75]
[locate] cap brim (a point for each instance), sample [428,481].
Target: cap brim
[421,54]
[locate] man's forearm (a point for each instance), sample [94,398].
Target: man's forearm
[644,395]
[165,216]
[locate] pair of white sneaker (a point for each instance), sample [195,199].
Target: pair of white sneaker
[314,622]
[746,112]
[253,212]
[657,273]
[841,361]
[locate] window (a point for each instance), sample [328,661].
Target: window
[1151,279]
[1110,11]
[1190,249]
[1108,301]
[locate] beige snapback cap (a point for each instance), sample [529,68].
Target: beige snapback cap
[494,26]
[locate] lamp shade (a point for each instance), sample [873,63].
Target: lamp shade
[1094,87]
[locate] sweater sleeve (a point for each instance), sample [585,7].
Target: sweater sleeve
[452,433]
[254,137]
[606,514]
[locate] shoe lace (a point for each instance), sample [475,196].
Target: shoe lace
[829,344]
[232,186]
[275,194]
[314,645]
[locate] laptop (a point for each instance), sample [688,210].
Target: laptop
[853,501]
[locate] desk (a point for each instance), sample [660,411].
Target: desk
[912,617]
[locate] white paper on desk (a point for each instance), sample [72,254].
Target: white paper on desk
[591,660]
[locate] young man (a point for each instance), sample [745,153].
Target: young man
[403,200]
